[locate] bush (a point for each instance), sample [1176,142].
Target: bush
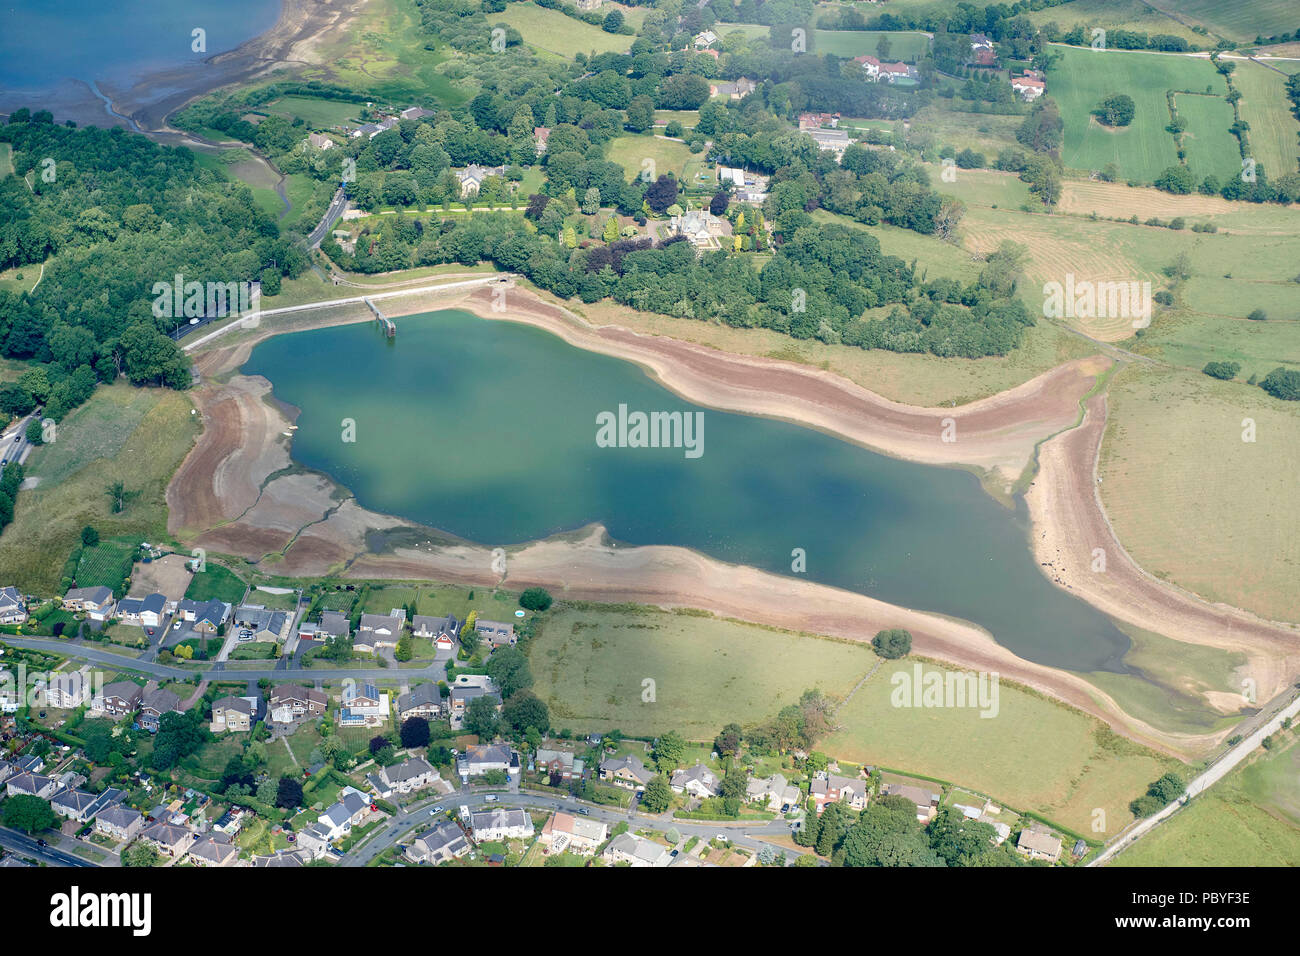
[892,643]
[1224,370]
[535,599]
[1283,383]
[1257,315]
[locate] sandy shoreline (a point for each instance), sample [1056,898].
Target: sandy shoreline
[302,524]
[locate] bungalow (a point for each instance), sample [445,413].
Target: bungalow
[705,40]
[423,700]
[1039,845]
[500,824]
[1030,88]
[215,849]
[981,41]
[318,141]
[775,791]
[462,695]
[636,851]
[69,690]
[257,623]
[117,699]
[412,774]
[206,617]
[119,822]
[926,800]
[153,704]
[735,91]
[168,839]
[831,788]
[627,772]
[444,631]
[333,624]
[13,609]
[562,762]
[479,759]
[443,843]
[363,706]
[236,714]
[566,832]
[336,821]
[379,631]
[96,602]
[147,611]
[289,703]
[473,176]
[496,633]
[698,781]
[31,785]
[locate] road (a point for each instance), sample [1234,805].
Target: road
[14,445]
[338,205]
[1212,775]
[411,820]
[27,847]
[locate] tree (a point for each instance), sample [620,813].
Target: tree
[1117,109]
[481,718]
[951,212]
[35,434]
[892,643]
[415,732]
[591,201]
[525,709]
[661,194]
[1176,179]
[89,537]
[640,114]
[727,743]
[141,854]
[1283,383]
[670,750]
[288,793]
[1224,370]
[509,670]
[535,599]
[119,496]
[610,232]
[658,795]
[718,204]
[883,46]
[179,735]
[613,21]
[28,813]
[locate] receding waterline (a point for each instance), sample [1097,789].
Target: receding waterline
[489,430]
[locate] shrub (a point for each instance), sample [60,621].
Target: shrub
[1223,370]
[892,643]
[535,599]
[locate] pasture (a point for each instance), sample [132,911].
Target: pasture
[1115,15]
[553,32]
[1079,81]
[1238,20]
[908,47]
[106,564]
[1274,132]
[634,152]
[316,112]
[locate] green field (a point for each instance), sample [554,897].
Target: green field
[135,435]
[1210,147]
[215,583]
[1116,14]
[908,47]
[553,32]
[1238,19]
[1250,818]
[986,133]
[590,665]
[106,564]
[315,112]
[1080,81]
[633,152]
[1274,132]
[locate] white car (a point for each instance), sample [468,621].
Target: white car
[490,798]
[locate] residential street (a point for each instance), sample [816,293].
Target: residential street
[25,846]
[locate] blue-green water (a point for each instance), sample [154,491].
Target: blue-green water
[488,430]
[44,43]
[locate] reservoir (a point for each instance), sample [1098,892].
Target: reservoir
[488,430]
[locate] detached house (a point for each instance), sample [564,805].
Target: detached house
[13,609]
[698,781]
[215,849]
[443,631]
[443,843]
[206,617]
[636,851]
[70,690]
[31,785]
[289,703]
[169,839]
[705,40]
[257,623]
[926,800]
[473,176]
[500,824]
[412,774]
[155,703]
[423,700]
[97,603]
[775,791]
[831,788]
[237,714]
[496,633]
[363,706]
[335,822]
[479,759]
[379,631]
[735,91]
[1038,845]
[1028,87]
[627,772]
[562,762]
[566,832]
[333,624]
[147,611]
[117,699]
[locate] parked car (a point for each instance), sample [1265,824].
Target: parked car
[491,798]
[584,811]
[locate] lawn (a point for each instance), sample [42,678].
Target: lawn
[553,32]
[985,133]
[591,666]
[1174,469]
[1274,133]
[908,47]
[633,153]
[1250,818]
[1035,755]
[138,436]
[215,583]
[1081,79]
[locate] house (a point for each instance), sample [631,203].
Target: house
[416,113]
[215,849]
[830,140]
[119,822]
[983,58]
[479,759]
[472,178]
[500,824]
[831,788]
[31,785]
[701,228]
[153,704]
[443,631]
[117,699]
[496,633]
[981,41]
[333,624]
[1039,845]
[6,770]
[565,832]
[627,772]
[257,623]
[412,774]
[893,72]
[870,66]
[230,822]
[11,698]
[69,690]
[775,791]
[318,141]
[441,844]
[423,700]
[13,609]
[236,714]
[1030,88]
[289,703]
[541,137]
[926,800]
[562,762]
[29,764]
[205,617]
[335,822]
[636,851]
[698,781]
[705,40]
[363,706]
[809,121]
[463,694]
[379,631]
[736,91]
[168,839]
[147,611]
[96,602]
[745,186]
